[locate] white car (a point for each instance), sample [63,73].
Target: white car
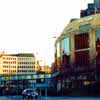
[30,93]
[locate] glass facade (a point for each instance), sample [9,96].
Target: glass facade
[63,52]
[67,45]
[97,3]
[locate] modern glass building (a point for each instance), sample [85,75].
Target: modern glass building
[77,52]
[97,3]
[92,9]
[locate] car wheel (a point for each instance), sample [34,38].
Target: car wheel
[23,97]
[36,97]
[30,97]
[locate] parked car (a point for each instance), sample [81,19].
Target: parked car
[30,93]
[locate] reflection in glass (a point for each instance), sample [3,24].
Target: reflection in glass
[67,45]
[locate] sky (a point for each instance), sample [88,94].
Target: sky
[28,26]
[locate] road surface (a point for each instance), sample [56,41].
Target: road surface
[49,98]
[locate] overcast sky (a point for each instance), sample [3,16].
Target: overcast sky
[28,26]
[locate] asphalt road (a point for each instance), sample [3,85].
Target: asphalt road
[49,98]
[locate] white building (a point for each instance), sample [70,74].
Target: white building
[8,65]
[26,64]
[15,64]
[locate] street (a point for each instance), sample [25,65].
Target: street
[49,98]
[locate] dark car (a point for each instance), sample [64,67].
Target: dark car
[30,93]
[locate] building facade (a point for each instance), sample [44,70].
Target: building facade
[46,69]
[25,63]
[37,66]
[8,65]
[15,64]
[77,54]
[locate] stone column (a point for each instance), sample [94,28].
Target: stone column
[72,57]
[92,52]
[92,45]
[72,47]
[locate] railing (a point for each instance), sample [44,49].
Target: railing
[31,76]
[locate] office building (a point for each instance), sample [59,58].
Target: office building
[16,64]
[93,8]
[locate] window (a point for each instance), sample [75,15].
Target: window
[82,58]
[67,45]
[81,41]
[58,49]
[3,57]
[5,62]
[62,46]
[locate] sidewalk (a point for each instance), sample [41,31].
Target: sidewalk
[5,98]
[10,97]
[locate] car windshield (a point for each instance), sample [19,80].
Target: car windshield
[30,91]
